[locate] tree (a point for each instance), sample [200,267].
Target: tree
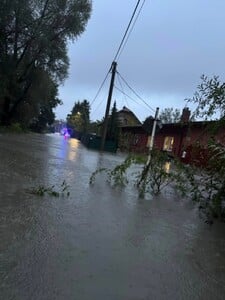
[210,98]
[95,126]
[170,115]
[209,191]
[113,124]
[147,124]
[46,115]
[33,52]
[79,119]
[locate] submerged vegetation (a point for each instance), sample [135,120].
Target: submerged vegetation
[53,191]
[151,178]
[204,186]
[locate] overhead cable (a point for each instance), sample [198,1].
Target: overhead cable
[100,87]
[122,90]
[122,44]
[135,92]
[97,108]
[131,29]
[126,32]
[126,94]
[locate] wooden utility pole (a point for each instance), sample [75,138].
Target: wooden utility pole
[105,125]
[152,139]
[147,165]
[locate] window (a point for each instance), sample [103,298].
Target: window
[148,141]
[168,143]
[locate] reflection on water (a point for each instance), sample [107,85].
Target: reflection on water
[167,166]
[100,243]
[72,153]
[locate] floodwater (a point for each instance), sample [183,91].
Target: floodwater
[99,243]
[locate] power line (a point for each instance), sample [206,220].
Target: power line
[126,94]
[122,43]
[131,29]
[125,34]
[122,90]
[100,87]
[135,92]
[98,106]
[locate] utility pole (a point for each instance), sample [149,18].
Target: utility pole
[153,135]
[105,125]
[147,165]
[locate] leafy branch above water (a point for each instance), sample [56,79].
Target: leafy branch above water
[203,186]
[152,178]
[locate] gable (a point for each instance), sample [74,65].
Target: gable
[127,118]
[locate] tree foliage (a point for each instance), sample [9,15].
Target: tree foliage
[147,124]
[170,115]
[210,98]
[150,178]
[205,186]
[95,126]
[79,119]
[46,115]
[113,124]
[208,188]
[33,53]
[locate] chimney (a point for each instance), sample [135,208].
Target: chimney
[185,115]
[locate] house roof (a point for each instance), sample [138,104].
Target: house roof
[190,123]
[127,111]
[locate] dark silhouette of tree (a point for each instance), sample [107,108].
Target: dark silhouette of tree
[147,124]
[79,119]
[33,53]
[113,125]
[170,115]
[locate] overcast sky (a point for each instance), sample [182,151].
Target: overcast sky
[172,44]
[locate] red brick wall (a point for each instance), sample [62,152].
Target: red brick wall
[193,139]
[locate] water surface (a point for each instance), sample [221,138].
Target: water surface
[100,243]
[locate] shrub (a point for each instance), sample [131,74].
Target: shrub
[15,128]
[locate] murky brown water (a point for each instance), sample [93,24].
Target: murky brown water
[99,243]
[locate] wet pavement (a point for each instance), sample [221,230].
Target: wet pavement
[100,243]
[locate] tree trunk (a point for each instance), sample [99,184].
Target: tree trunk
[5,113]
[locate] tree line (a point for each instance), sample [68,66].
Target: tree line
[79,120]
[33,56]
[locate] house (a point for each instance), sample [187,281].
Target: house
[132,137]
[127,118]
[185,140]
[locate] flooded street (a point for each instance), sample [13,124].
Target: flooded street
[99,243]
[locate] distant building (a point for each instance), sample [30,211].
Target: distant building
[132,137]
[127,118]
